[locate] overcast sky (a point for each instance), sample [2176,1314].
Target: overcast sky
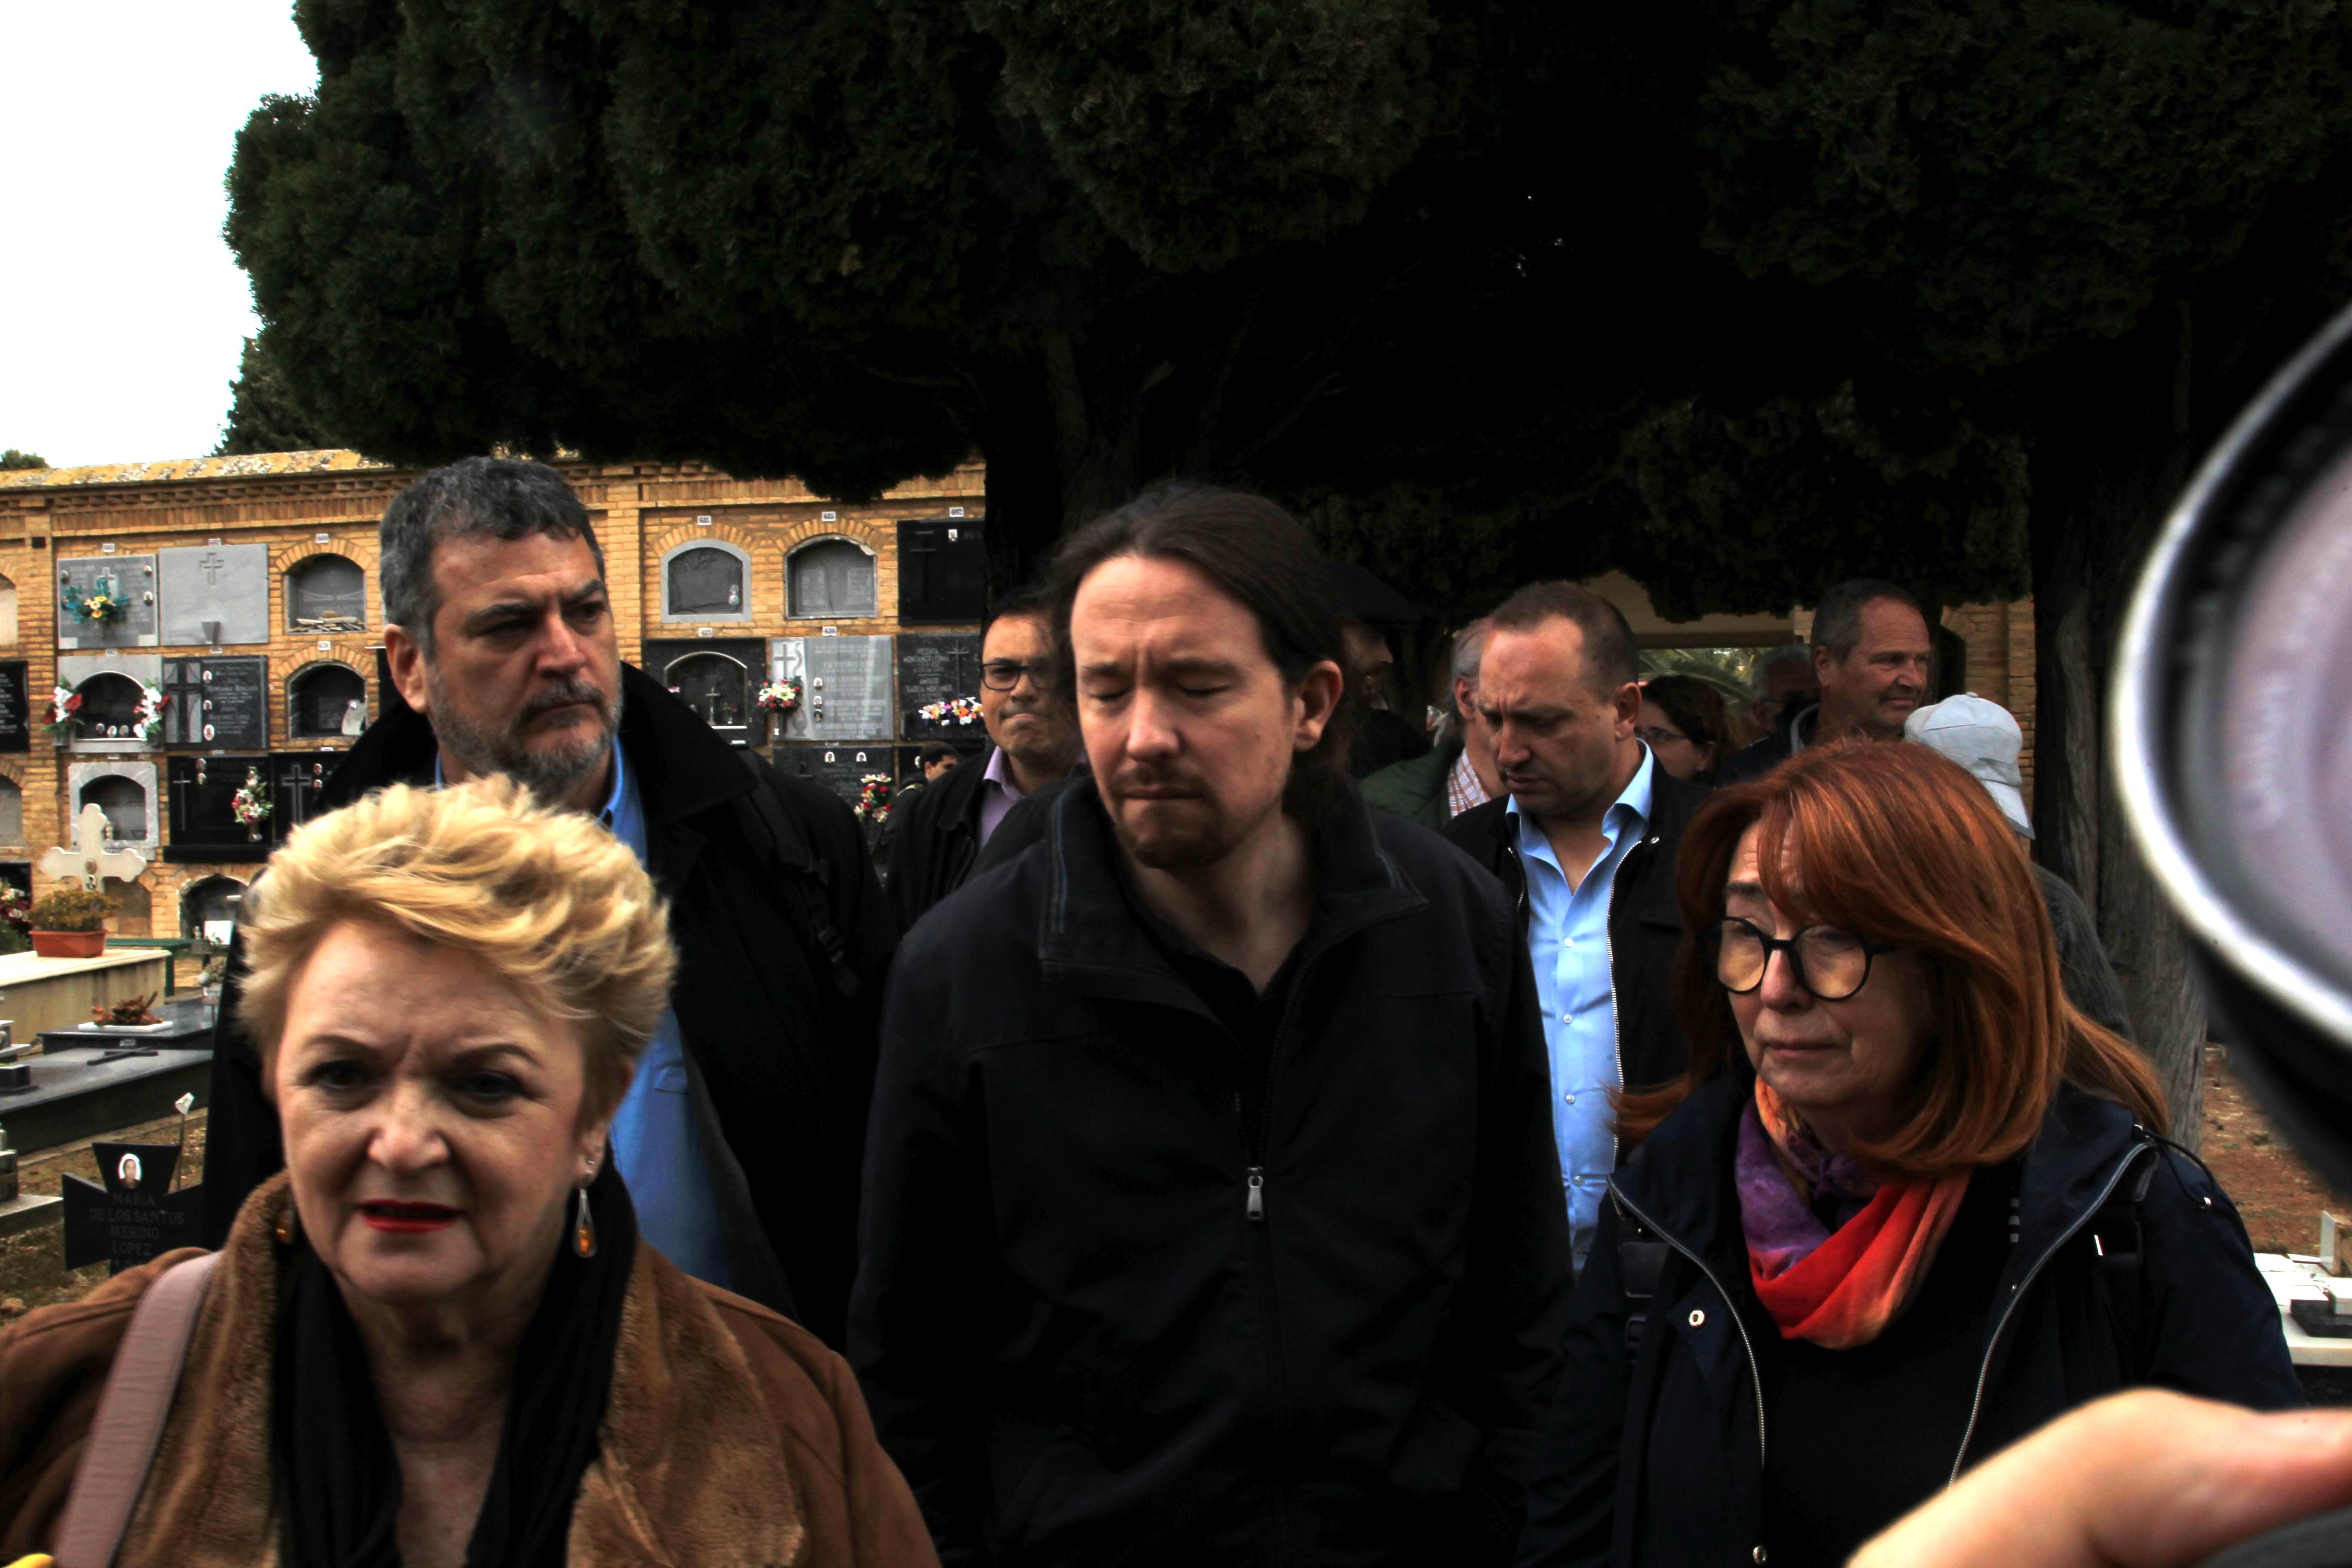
[124,310]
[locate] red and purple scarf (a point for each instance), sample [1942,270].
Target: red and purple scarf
[1840,1286]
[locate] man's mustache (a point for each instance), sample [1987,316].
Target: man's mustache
[569,694]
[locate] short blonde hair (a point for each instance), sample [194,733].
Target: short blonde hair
[551,901]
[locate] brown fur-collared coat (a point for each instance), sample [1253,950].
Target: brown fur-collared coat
[734,1438]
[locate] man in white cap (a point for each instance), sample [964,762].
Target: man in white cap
[1982,737]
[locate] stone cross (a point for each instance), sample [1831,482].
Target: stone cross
[212,566]
[90,859]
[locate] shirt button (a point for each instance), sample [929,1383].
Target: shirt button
[1570,1096]
[1568,941]
[1697,1319]
[1568,1017]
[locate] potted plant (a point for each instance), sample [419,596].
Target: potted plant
[70,923]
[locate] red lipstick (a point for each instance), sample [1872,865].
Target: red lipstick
[407,1219]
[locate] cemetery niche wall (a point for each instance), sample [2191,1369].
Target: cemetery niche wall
[289,542]
[845,687]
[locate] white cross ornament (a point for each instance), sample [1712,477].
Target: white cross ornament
[90,859]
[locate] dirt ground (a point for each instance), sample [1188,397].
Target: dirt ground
[2278,1194]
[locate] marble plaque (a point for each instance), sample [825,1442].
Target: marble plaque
[224,582]
[129,580]
[216,703]
[846,686]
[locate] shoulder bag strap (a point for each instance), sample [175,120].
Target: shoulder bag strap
[131,1416]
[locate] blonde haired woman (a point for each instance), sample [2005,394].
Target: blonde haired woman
[435,1341]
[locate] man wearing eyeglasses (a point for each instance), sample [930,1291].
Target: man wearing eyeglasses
[1032,744]
[1584,838]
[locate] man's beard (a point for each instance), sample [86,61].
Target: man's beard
[1208,836]
[550,773]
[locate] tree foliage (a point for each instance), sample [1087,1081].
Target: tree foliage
[1092,240]
[13,459]
[263,413]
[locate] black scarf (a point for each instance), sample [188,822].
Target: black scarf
[336,1472]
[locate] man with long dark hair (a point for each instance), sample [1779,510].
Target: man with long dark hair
[1210,1211]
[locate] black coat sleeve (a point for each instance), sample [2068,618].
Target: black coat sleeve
[1515,1287]
[241,1144]
[2214,1328]
[1571,1507]
[918,1328]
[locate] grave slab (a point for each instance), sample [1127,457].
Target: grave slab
[42,993]
[227,584]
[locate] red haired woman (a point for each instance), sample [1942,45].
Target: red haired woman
[1907,1205]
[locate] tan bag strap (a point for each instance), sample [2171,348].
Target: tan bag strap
[121,1444]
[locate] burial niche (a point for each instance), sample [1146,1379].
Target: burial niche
[832,578]
[326,593]
[110,708]
[208,907]
[706,581]
[715,685]
[12,812]
[124,803]
[7,613]
[319,702]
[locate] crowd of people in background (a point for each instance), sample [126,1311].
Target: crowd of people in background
[1636,1123]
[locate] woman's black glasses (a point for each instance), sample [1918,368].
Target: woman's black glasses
[1831,964]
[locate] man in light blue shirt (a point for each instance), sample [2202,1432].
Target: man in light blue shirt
[1558,685]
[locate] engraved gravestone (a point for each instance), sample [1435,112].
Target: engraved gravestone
[937,668]
[841,770]
[216,703]
[15,706]
[846,686]
[135,1217]
[206,583]
[124,583]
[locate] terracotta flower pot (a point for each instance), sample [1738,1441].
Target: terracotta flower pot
[69,943]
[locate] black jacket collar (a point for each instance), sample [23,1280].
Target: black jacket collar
[681,767]
[1090,943]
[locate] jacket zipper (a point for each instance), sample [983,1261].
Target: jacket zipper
[1755,1371]
[2017,1294]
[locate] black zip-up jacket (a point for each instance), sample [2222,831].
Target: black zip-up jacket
[779,1062]
[936,837]
[1133,1292]
[1645,923]
[1658,1460]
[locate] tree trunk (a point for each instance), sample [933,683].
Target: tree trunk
[2098,502]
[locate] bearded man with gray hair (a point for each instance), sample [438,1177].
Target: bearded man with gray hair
[500,637]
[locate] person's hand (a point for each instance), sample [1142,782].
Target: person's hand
[2139,1480]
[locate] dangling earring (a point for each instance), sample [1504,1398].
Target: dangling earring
[583,1226]
[289,1230]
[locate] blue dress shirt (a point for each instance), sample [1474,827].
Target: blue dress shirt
[656,1143]
[1568,939]
[656,1137]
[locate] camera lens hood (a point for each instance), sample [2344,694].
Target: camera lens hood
[2230,735]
